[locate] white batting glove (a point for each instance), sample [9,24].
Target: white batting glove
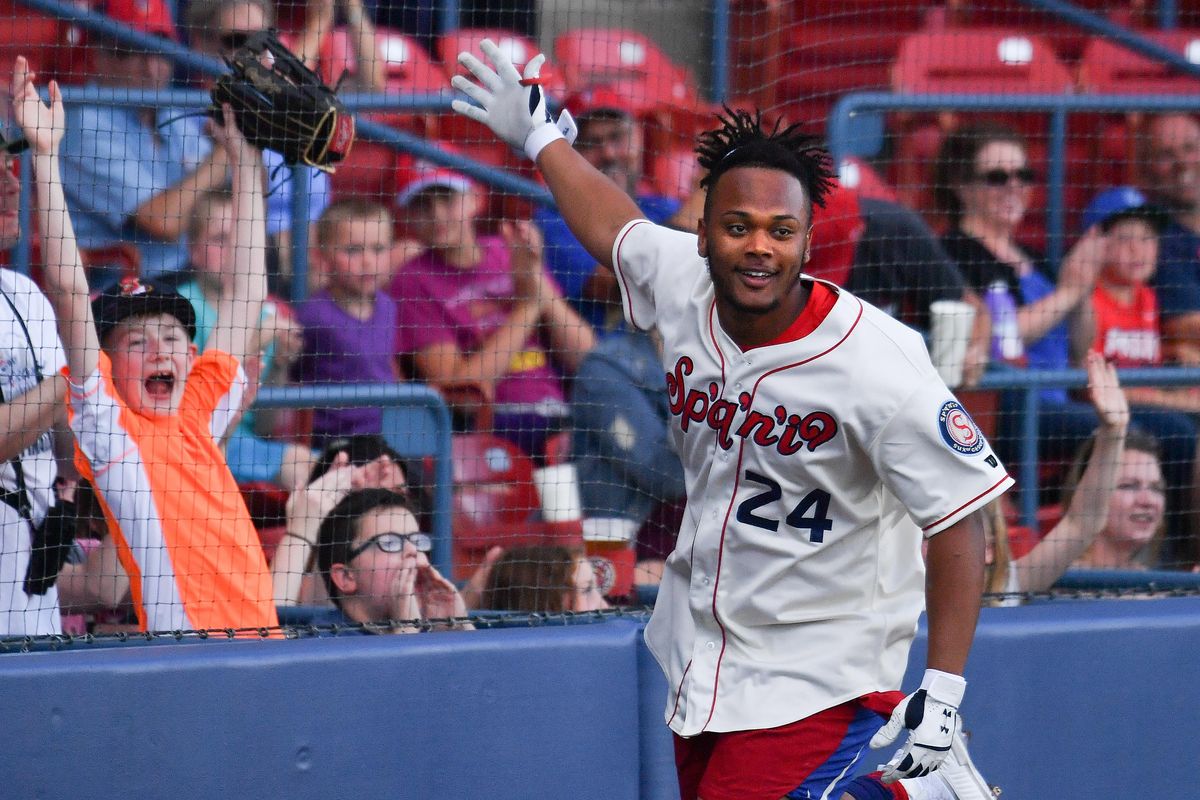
[931,714]
[511,104]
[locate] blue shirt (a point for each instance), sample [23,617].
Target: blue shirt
[1053,350]
[571,265]
[112,163]
[619,439]
[1177,280]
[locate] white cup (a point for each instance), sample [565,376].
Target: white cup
[950,324]
[558,490]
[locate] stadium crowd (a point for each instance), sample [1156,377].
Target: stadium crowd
[180,222]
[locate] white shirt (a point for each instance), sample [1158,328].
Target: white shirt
[812,469]
[24,308]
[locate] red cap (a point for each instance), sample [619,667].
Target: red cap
[836,230]
[147,16]
[600,98]
[426,176]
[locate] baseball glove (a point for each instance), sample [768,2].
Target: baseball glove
[282,105]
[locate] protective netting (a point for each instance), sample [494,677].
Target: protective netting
[445,410]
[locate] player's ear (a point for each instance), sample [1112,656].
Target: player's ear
[808,244]
[702,237]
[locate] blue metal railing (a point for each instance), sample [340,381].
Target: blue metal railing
[1031,382]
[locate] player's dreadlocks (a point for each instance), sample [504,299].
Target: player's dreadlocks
[741,141]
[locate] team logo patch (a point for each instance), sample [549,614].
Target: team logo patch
[605,572]
[959,431]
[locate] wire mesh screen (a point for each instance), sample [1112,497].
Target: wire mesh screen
[1020,188]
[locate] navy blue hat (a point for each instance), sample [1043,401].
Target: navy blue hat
[138,298]
[1122,202]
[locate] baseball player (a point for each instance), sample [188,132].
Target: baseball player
[819,448]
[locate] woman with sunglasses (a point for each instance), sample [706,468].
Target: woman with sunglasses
[375,564]
[984,182]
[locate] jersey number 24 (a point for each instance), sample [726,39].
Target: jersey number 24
[811,513]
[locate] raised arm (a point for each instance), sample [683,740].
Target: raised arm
[64,279]
[239,311]
[514,107]
[1087,513]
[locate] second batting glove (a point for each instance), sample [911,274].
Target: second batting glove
[511,104]
[930,714]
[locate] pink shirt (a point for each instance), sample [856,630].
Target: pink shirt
[438,303]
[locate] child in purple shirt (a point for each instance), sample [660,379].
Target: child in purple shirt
[349,327]
[481,310]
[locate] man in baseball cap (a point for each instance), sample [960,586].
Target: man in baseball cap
[611,139]
[428,177]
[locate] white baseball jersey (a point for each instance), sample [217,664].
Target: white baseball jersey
[812,466]
[29,346]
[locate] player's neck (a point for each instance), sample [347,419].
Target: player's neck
[751,329]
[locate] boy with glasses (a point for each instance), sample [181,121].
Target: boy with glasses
[375,564]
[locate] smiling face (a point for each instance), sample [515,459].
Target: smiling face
[983,197]
[1130,252]
[755,235]
[371,578]
[612,143]
[1171,161]
[1137,505]
[151,357]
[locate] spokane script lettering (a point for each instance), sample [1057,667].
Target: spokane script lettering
[786,432]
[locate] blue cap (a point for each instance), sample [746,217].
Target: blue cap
[1119,203]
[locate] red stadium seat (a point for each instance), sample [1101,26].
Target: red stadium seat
[410,70]
[518,48]
[53,48]
[496,502]
[1108,68]
[972,61]
[799,57]
[626,60]
[1067,40]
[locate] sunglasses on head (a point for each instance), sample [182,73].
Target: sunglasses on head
[1002,177]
